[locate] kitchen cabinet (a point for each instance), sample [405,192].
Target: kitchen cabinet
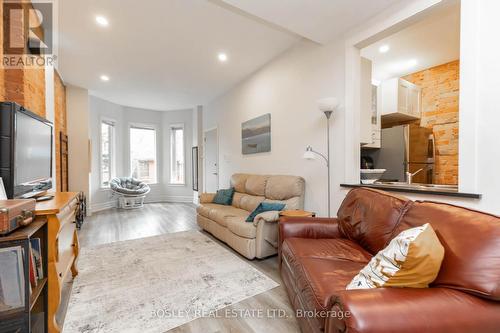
[375,120]
[370,123]
[401,101]
[365,102]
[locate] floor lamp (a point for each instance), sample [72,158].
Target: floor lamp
[327,106]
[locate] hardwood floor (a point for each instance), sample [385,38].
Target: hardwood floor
[267,312]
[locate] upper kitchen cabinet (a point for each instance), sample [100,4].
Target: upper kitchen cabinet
[401,101]
[370,116]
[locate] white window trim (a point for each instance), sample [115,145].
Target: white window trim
[113,151]
[176,125]
[150,127]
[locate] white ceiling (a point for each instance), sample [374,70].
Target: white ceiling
[433,41]
[318,20]
[162,55]
[159,54]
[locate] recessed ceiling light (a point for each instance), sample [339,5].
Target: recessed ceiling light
[222,57]
[104,78]
[102,21]
[384,48]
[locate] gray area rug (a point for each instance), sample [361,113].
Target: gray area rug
[158,283]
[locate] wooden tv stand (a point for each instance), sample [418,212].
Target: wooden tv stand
[62,247]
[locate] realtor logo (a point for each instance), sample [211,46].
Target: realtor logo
[27,33]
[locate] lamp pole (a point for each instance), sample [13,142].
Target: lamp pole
[327,106]
[328,114]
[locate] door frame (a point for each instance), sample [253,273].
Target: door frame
[205,169]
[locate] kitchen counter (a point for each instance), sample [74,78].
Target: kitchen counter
[418,189]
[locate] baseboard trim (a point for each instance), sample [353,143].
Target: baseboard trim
[169,198]
[97,207]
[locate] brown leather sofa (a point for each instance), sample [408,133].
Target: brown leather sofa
[319,257]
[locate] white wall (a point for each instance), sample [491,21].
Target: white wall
[198,142]
[289,86]
[100,110]
[77,108]
[123,117]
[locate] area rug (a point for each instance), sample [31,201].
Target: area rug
[155,284]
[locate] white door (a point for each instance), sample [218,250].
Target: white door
[211,161]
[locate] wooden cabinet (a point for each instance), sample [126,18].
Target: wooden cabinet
[400,101]
[365,102]
[62,246]
[32,316]
[375,120]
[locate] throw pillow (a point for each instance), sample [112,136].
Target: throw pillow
[224,197]
[412,259]
[265,207]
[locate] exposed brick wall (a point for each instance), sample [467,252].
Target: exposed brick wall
[34,90]
[440,94]
[59,126]
[25,86]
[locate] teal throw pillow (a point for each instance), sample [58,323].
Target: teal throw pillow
[265,207]
[224,197]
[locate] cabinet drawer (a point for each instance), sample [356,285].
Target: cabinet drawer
[67,214]
[65,248]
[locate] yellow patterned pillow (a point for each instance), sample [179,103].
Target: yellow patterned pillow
[412,259]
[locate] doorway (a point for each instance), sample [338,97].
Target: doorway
[211,163]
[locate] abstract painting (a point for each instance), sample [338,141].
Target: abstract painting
[256,135]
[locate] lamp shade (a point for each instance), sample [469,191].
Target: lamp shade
[327,104]
[308,154]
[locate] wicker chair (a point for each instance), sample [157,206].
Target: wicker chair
[130,192]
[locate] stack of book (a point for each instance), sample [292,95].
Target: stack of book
[36,264]
[12,281]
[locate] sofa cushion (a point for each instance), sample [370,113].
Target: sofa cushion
[471,240]
[250,202]
[411,260]
[290,204]
[368,217]
[238,181]
[284,187]
[238,226]
[328,248]
[320,269]
[237,199]
[265,207]
[224,197]
[219,214]
[256,185]
[204,209]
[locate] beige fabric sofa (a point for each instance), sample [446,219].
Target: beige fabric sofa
[260,238]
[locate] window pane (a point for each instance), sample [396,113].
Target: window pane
[177,156]
[107,132]
[143,154]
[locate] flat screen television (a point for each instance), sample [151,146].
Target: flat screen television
[27,155]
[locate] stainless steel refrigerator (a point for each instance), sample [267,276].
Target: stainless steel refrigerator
[405,148]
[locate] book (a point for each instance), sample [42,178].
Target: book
[11,278]
[37,255]
[33,278]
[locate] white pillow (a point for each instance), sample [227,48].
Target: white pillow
[412,259]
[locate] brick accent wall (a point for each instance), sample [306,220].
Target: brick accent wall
[26,86]
[440,97]
[59,126]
